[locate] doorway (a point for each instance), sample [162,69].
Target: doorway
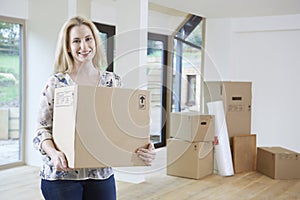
[157,79]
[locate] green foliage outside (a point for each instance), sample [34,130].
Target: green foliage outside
[9,94]
[9,63]
[9,87]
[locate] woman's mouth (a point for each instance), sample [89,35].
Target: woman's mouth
[85,53]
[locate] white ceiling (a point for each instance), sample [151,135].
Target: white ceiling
[233,8]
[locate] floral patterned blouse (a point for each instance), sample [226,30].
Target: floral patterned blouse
[44,128]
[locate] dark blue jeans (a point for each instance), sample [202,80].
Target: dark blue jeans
[79,189]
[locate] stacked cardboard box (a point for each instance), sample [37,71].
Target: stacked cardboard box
[236,97]
[190,150]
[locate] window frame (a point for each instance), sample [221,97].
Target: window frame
[22,92]
[165,40]
[180,36]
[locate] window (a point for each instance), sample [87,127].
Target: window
[191,90]
[187,60]
[11,104]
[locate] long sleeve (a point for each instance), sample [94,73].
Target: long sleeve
[45,110]
[45,115]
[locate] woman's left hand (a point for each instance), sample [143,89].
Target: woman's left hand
[147,154]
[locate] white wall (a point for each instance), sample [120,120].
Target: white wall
[44,21]
[217,49]
[8,8]
[167,26]
[264,50]
[131,42]
[103,11]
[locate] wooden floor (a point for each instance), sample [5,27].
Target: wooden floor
[23,183]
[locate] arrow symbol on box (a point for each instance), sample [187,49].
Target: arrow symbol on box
[142,98]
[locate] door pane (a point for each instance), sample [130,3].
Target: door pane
[186,77]
[10,99]
[155,85]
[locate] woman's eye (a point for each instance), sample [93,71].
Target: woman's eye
[89,39]
[76,41]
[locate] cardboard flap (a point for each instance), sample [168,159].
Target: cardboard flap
[278,150]
[192,126]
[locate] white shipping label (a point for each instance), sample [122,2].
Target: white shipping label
[236,108]
[64,99]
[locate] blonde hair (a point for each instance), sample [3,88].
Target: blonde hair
[63,60]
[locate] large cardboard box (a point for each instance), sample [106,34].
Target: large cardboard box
[192,127]
[278,162]
[237,98]
[99,126]
[189,159]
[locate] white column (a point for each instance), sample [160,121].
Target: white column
[131,42]
[79,7]
[131,60]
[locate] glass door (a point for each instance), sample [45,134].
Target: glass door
[11,38]
[156,73]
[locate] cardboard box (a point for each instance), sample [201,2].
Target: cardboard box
[278,162]
[237,98]
[99,127]
[189,159]
[244,153]
[192,127]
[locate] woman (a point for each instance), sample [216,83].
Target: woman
[78,59]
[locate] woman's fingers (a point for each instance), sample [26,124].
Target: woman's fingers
[147,155]
[60,162]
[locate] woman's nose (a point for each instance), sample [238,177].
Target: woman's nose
[83,44]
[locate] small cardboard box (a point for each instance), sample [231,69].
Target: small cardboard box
[99,126]
[192,127]
[278,162]
[189,159]
[244,153]
[237,98]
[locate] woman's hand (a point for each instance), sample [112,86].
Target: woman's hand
[147,155]
[58,158]
[59,161]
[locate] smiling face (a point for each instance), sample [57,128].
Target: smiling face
[82,44]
